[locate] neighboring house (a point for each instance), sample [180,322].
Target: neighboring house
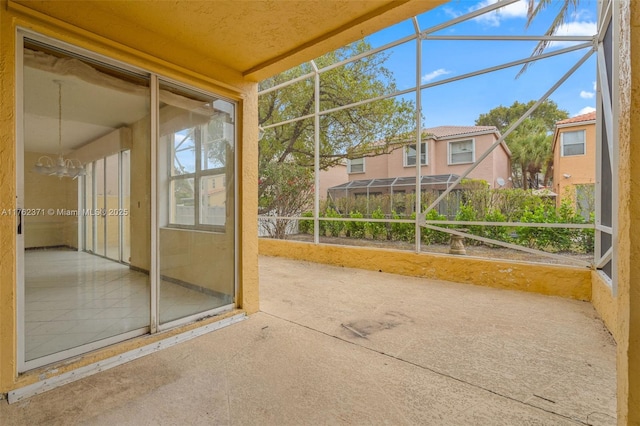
[446,151]
[333,176]
[574,161]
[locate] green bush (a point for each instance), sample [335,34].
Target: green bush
[322,225]
[481,204]
[540,238]
[376,229]
[431,236]
[403,231]
[306,226]
[500,233]
[466,213]
[334,227]
[355,229]
[586,237]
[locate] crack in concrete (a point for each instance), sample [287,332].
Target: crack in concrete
[440,373]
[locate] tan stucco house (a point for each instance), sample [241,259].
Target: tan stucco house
[574,159]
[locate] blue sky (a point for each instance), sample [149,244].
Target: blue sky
[461,102]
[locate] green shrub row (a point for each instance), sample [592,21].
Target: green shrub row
[548,239]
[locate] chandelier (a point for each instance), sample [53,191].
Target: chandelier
[61,167]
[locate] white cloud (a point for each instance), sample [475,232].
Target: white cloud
[494,18]
[576,28]
[451,12]
[586,95]
[585,110]
[580,14]
[595,86]
[434,74]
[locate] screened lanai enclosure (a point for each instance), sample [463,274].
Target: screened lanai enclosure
[433,71]
[395,189]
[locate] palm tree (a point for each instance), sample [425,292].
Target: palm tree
[530,147]
[534,7]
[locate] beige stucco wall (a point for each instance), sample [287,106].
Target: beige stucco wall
[202,72]
[333,176]
[392,164]
[483,171]
[628,244]
[605,304]
[582,168]
[563,281]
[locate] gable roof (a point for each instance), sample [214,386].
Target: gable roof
[578,118]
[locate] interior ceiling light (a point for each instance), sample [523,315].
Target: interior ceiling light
[61,167]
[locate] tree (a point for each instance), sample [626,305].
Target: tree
[290,191]
[530,143]
[534,7]
[502,117]
[365,130]
[530,147]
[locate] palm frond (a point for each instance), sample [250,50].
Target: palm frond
[533,10]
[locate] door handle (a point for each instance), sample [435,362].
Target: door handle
[19,211]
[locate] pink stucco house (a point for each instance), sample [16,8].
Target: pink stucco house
[447,151]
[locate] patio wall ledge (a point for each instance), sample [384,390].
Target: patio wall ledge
[552,280]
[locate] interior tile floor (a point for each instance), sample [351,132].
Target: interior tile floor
[74,298]
[341,346]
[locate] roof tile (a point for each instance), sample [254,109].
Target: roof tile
[579,118]
[446,131]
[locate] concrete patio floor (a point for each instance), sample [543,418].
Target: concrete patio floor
[345,346]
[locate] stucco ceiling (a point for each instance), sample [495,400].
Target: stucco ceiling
[258,38]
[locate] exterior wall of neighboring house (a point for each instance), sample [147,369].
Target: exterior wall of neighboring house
[442,158]
[497,164]
[332,177]
[573,165]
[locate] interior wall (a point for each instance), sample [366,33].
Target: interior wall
[140,202]
[49,206]
[202,259]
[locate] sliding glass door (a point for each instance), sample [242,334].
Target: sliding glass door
[102,256]
[84,123]
[196,203]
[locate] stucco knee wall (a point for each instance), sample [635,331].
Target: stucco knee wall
[553,280]
[605,304]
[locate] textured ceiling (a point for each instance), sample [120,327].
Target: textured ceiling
[258,38]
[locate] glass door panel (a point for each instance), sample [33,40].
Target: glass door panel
[196,203]
[76,300]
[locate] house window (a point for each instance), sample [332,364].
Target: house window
[355,166]
[410,155]
[573,143]
[199,150]
[461,152]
